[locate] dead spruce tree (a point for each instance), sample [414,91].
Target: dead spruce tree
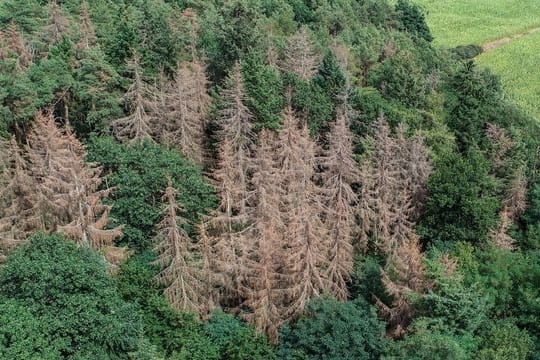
[236,131]
[340,172]
[514,205]
[141,104]
[379,182]
[300,56]
[87,32]
[515,202]
[263,290]
[184,108]
[402,277]
[69,198]
[58,24]
[226,225]
[394,180]
[17,44]
[18,215]
[185,290]
[305,234]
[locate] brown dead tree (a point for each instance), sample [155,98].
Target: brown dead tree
[68,198]
[227,227]
[340,172]
[18,213]
[17,44]
[513,206]
[300,56]
[58,23]
[87,32]
[264,283]
[185,107]
[141,103]
[394,180]
[236,130]
[305,235]
[185,289]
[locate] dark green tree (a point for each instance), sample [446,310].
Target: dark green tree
[461,205]
[236,340]
[264,90]
[413,20]
[139,174]
[475,96]
[58,301]
[332,330]
[504,340]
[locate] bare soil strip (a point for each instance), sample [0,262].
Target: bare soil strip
[505,40]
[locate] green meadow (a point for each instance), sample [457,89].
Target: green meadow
[462,22]
[518,64]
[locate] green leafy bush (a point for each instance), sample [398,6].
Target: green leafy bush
[332,330]
[58,301]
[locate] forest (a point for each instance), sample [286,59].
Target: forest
[259,179]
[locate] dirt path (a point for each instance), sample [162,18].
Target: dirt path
[505,40]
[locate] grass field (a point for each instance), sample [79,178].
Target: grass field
[462,22]
[518,64]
